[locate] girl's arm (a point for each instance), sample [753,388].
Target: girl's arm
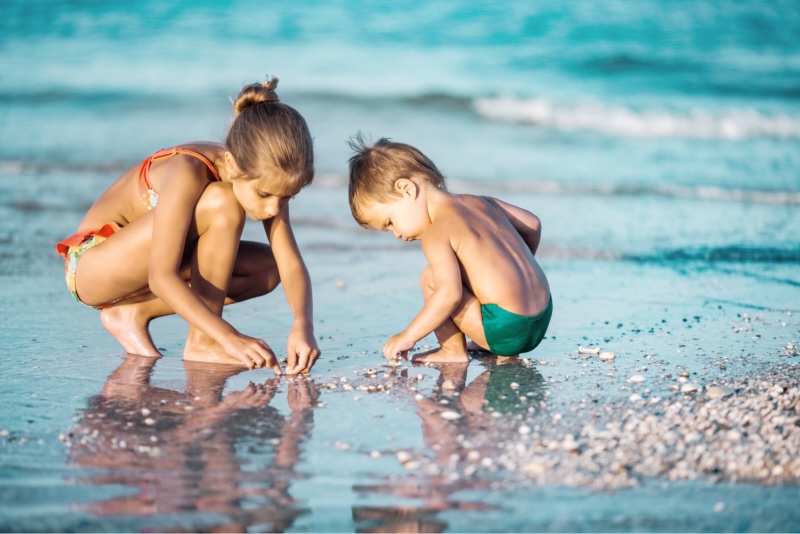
[524,222]
[441,303]
[176,206]
[301,348]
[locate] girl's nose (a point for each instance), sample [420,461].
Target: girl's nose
[272,209]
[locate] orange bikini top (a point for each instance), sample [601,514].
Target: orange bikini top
[148,194]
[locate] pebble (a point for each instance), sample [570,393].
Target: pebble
[684,374]
[588,350]
[690,388]
[342,446]
[145,412]
[375,454]
[150,421]
[524,429]
[606,356]
[450,415]
[636,379]
[340,284]
[449,385]
[513,385]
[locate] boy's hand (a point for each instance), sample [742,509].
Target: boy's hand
[301,349]
[398,345]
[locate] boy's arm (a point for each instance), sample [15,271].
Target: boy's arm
[301,348]
[524,222]
[447,289]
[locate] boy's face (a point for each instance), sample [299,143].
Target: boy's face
[407,217]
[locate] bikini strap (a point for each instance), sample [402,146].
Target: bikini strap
[144,170]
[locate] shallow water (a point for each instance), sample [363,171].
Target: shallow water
[659,146]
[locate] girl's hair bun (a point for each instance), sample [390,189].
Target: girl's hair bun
[256,93]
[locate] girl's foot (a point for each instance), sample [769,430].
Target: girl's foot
[129,328]
[201,348]
[440,355]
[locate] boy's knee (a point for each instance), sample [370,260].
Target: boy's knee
[218,206]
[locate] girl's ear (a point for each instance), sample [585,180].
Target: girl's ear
[231,166]
[406,188]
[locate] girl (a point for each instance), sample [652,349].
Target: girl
[165,238]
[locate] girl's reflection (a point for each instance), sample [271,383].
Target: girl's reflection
[195,451]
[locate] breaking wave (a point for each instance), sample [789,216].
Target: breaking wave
[731,124]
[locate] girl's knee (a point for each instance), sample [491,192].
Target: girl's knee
[426,279]
[218,206]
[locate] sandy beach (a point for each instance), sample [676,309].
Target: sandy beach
[658,146]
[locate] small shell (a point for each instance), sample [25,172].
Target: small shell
[448,384]
[450,415]
[588,350]
[636,379]
[606,356]
[715,392]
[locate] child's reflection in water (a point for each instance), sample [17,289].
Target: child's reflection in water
[195,450]
[456,444]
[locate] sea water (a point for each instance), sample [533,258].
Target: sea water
[659,142]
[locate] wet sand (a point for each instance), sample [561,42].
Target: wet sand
[697,410]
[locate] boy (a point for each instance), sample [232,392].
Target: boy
[481,280]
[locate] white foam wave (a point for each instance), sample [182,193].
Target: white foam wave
[730,124]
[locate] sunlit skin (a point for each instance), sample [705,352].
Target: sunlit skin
[194,232]
[479,250]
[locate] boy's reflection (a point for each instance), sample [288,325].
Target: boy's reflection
[195,451]
[507,386]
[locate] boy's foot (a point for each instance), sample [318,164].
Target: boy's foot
[474,347]
[440,356]
[201,348]
[129,328]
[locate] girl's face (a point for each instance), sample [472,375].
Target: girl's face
[264,198]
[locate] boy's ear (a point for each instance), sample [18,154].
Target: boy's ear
[406,188]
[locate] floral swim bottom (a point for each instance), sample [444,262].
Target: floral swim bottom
[74,247]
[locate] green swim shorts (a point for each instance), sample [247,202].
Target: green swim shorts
[509,334]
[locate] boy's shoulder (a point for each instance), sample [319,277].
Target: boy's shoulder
[458,213]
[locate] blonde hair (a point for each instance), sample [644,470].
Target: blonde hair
[374,169]
[268,134]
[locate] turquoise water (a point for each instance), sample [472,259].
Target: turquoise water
[658,141]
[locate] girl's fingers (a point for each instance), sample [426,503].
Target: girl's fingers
[302,360]
[313,357]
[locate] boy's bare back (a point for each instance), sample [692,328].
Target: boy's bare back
[497,265]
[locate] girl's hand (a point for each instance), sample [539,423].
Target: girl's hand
[301,349]
[398,345]
[253,353]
